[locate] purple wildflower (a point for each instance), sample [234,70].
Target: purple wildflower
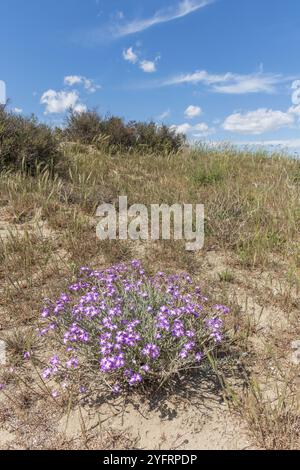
[116,389]
[72,363]
[222,308]
[45,312]
[199,356]
[47,373]
[178,329]
[135,379]
[151,350]
[55,361]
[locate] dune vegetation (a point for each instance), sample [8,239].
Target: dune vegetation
[51,183]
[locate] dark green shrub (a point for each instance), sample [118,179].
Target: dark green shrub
[157,138]
[26,144]
[120,136]
[84,127]
[89,128]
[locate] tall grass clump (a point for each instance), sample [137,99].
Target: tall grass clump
[120,328]
[26,144]
[113,133]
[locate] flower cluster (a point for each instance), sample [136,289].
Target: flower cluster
[127,328]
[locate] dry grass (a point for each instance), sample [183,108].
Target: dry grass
[274,422]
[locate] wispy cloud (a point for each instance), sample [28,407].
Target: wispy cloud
[122,26]
[230,83]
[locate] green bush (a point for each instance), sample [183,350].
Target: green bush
[83,127]
[157,138]
[26,144]
[90,128]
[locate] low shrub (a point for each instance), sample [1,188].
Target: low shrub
[84,127]
[157,138]
[26,144]
[119,328]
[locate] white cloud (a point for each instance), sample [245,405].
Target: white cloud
[249,84]
[72,80]
[61,101]
[295,110]
[130,56]
[192,111]
[18,110]
[183,8]
[230,83]
[198,130]
[148,66]
[257,122]
[197,77]
[164,115]
[88,84]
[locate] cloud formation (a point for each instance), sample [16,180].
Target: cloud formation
[192,112]
[60,101]
[197,130]
[257,122]
[130,56]
[181,9]
[88,83]
[229,83]
[265,120]
[148,66]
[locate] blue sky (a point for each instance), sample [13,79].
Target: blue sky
[218,70]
